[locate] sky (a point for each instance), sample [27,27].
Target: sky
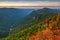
[29,3]
[29,0]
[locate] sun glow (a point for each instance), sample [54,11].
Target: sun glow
[28,4]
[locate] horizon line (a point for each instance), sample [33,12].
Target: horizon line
[26,6]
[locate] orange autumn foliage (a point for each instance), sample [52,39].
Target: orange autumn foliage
[37,36]
[46,36]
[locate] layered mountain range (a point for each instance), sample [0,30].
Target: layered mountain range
[23,23]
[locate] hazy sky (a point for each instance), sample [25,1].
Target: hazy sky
[30,3]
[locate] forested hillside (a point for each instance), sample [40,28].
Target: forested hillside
[49,29]
[42,24]
[33,18]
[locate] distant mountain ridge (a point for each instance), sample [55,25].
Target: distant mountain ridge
[52,10]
